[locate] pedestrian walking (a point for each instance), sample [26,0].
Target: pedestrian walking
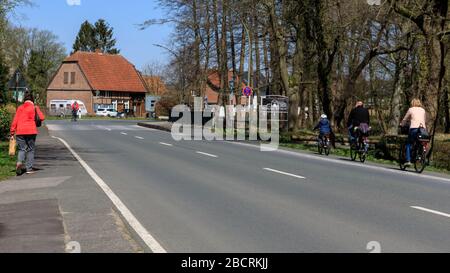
[24,128]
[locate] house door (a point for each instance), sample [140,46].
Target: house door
[120,107]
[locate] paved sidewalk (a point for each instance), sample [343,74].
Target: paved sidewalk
[58,205]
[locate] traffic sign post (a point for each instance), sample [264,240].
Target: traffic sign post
[247,91]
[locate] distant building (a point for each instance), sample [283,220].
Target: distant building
[213,87]
[100,81]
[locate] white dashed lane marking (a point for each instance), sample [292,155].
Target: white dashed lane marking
[284,173]
[166,144]
[206,154]
[432,211]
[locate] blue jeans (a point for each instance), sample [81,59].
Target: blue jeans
[26,145]
[412,138]
[350,134]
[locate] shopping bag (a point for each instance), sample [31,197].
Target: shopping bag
[12,146]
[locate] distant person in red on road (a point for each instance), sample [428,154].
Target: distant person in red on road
[25,130]
[75,109]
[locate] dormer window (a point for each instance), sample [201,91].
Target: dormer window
[72,78]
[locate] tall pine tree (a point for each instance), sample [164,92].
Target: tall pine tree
[104,37]
[85,40]
[97,36]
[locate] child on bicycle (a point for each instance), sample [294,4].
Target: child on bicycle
[324,127]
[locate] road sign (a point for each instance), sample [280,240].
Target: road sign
[247,91]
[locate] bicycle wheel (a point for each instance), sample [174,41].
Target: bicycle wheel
[327,150]
[420,163]
[402,157]
[320,148]
[362,156]
[353,151]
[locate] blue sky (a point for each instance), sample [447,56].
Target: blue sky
[123,15]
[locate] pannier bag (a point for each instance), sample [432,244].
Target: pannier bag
[364,128]
[423,134]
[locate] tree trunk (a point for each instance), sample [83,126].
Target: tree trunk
[224,57]
[446,111]
[257,83]
[280,43]
[396,99]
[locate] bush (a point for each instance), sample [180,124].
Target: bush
[165,104]
[5,123]
[441,155]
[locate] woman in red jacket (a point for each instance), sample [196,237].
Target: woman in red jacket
[25,130]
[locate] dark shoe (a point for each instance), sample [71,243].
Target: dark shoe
[20,170]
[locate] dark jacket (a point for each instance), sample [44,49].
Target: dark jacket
[323,126]
[357,116]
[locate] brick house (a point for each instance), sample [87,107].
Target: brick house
[99,81]
[213,86]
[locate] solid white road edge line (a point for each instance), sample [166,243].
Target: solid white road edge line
[284,173]
[432,211]
[384,169]
[146,237]
[210,155]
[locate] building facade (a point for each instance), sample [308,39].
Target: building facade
[99,81]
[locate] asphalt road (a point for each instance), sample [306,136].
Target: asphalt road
[199,196]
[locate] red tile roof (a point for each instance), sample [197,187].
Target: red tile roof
[214,79]
[106,72]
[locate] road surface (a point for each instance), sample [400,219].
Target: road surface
[199,196]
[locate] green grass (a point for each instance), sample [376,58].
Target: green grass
[92,118]
[345,152]
[7,163]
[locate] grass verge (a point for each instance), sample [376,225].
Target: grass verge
[93,118]
[7,163]
[345,152]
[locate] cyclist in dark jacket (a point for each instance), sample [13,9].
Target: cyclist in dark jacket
[358,116]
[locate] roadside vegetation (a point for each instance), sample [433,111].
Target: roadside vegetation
[383,149]
[7,163]
[94,118]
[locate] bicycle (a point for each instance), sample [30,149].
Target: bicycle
[324,145]
[419,154]
[360,146]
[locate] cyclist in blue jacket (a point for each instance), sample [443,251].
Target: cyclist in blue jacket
[324,127]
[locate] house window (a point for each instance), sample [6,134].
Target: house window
[66,77]
[72,77]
